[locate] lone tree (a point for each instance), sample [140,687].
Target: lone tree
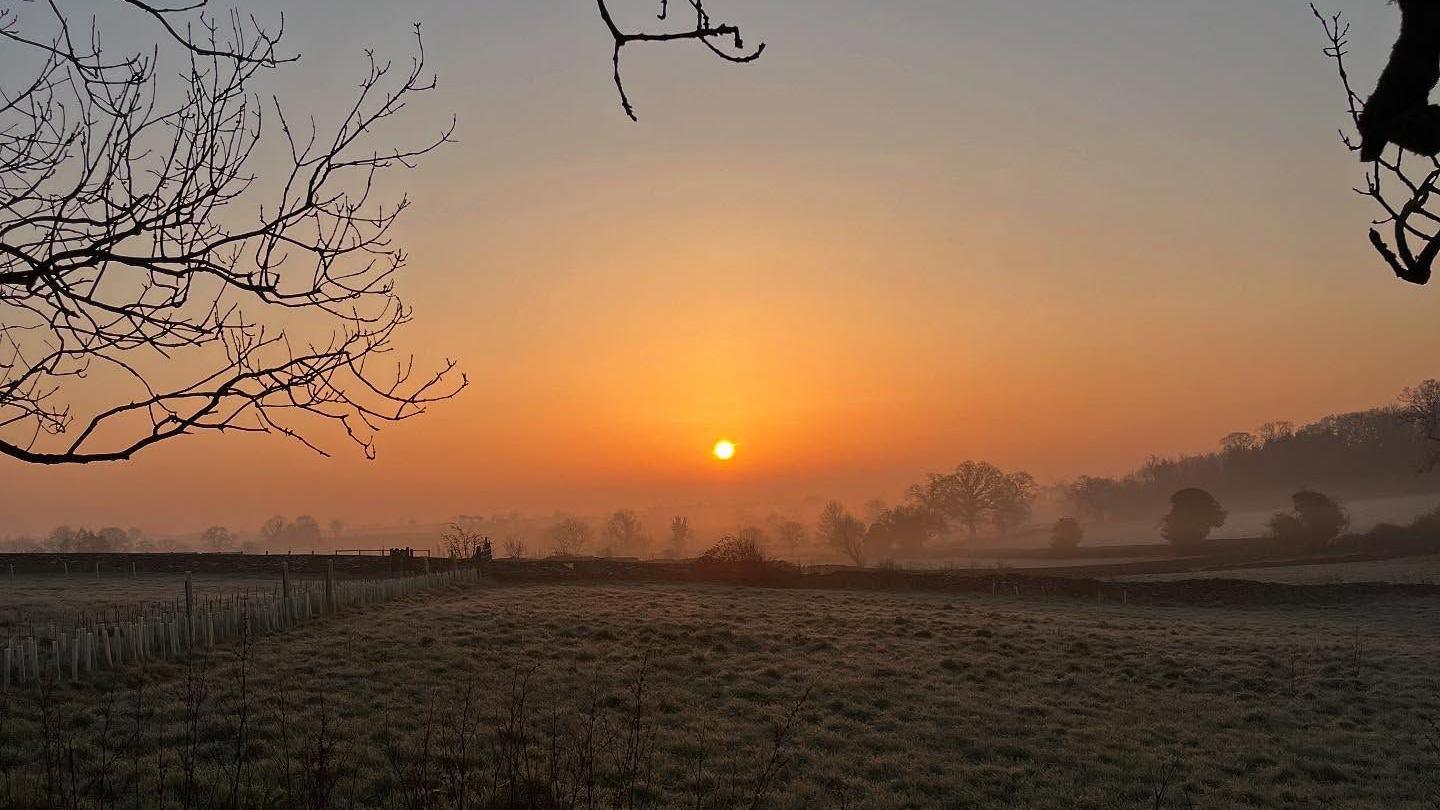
[460,541]
[1315,523]
[218,538]
[1420,406]
[1066,534]
[514,546]
[569,536]
[1193,514]
[679,536]
[843,532]
[624,534]
[153,284]
[966,495]
[791,535]
[1012,500]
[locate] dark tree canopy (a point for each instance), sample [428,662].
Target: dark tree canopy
[903,529]
[976,493]
[1399,110]
[966,495]
[1193,514]
[1066,534]
[1315,523]
[1398,181]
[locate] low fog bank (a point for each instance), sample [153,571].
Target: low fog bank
[1366,468]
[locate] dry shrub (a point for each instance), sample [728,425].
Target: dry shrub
[742,559]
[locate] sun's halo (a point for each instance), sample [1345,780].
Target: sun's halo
[724,450]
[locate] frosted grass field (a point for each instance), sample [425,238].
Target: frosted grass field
[914,699]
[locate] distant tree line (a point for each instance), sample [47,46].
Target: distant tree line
[1348,450]
[974,496]
[275,534]
[278,533]
[977,497]
[70,540]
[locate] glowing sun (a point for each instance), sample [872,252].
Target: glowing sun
[724,450]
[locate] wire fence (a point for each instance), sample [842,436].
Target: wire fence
[168,631]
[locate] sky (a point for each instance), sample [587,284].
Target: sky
[1058,236]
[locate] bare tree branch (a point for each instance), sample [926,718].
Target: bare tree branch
[1400,184]
[723,39]
[153,285]
[128,258]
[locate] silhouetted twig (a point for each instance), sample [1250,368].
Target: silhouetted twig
[705,31]
[1399,189]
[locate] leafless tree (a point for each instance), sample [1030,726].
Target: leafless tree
[569,536]
[723,39]
[791,534]
[514,546]
[1013,498]
[1399,182]
[680,534]
[1420,406]
[843,532]
[460,542]
[966,495]
[272,531]
[218,538]
[148,271]
[624,534]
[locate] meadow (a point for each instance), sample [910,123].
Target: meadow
[694,695]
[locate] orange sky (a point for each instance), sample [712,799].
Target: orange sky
[1057,240]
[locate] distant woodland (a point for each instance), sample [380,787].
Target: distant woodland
[1381,451]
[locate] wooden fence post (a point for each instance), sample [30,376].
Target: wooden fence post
[189,614]
[286,609]
[330,585]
